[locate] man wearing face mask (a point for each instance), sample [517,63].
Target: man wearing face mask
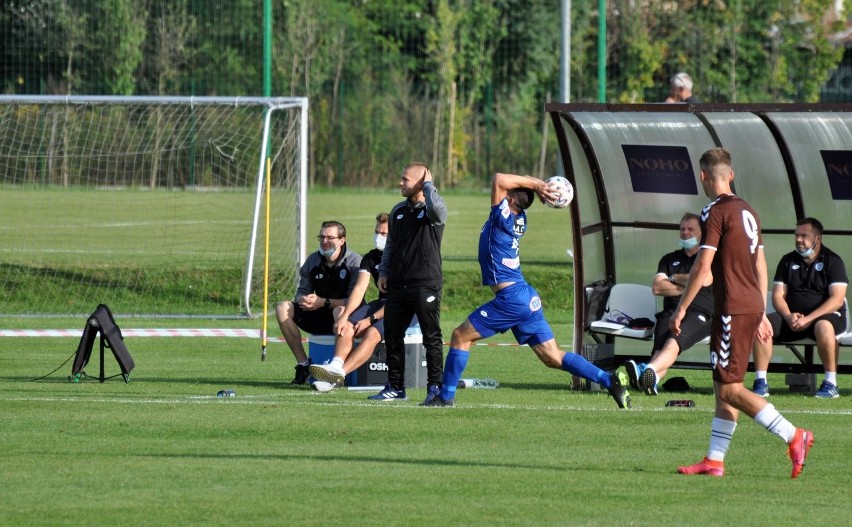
[808,292]
[325,281]
[672,274]
[357,320]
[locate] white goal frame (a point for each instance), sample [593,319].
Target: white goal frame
[272,105]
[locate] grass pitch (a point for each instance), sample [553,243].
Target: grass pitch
[163,450]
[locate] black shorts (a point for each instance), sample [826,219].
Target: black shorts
[365,311]
[694,328]
[781,332]
[315,322]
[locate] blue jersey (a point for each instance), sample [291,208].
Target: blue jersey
[499,245]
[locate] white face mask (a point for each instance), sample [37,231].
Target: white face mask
[807,252]
[380,240]
[688,244]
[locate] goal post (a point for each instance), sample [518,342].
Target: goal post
[149,204]
[250,284]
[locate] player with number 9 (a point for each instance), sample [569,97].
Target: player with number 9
[732,249]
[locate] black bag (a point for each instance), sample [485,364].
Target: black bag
[101,323]
[597,293]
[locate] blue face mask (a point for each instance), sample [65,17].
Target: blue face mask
[327,252]
[806,253]
[688,244]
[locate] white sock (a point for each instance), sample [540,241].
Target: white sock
[305,363]
[760,374]
[651,367]
[831,376]
[721,432]
[337,361]
[770,419]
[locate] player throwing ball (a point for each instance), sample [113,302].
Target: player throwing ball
[516,304]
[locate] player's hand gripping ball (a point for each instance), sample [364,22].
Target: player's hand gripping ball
[564,190]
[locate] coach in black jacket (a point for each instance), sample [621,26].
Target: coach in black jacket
[411,275]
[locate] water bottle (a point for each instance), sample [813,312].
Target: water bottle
[478,383]
[689,403]
[226,393]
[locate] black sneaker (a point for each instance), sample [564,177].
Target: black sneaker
[649,381]
[388,393]
[618,389]
[432,391]
[303,371]
[437,401]
[634,373]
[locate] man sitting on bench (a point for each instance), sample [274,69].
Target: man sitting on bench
[672,274]
[808,293]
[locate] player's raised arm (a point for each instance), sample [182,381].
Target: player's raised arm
[503,183]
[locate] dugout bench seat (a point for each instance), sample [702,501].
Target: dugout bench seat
[628,303]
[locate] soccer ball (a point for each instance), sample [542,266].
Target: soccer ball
[565,190]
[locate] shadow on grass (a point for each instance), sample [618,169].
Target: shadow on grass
[62,378]
[301,457]
[284,384]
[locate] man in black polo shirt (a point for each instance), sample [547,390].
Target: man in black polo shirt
[672,274]
[808,293]
[325,281]
[357,320]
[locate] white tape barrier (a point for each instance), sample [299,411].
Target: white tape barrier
[172,332]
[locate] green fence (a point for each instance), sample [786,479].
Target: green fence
[459,84]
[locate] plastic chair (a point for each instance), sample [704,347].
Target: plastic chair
[627,304]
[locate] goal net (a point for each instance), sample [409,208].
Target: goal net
[152,205]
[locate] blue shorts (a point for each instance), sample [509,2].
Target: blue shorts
[517,307]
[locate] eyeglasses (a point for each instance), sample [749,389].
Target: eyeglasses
[328,238]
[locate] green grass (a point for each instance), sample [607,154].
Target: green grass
[163,450]
[87,247]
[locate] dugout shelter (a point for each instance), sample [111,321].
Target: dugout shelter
[635,172]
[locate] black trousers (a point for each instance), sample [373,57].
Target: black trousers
[403,302]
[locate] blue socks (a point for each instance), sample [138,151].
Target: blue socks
[575,363]
[455,365]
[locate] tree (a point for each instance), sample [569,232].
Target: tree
[119,30]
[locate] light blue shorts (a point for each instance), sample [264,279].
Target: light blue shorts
[517,307]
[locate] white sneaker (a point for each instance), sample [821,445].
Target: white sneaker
[323,387]
[328,373]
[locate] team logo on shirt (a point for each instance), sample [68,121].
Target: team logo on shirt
[535,303]
[676,263]
[818,267]
[342,274]
[519,227]
[422,213]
